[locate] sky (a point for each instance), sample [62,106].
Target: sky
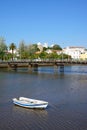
[62,22]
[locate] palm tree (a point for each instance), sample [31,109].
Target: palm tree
[12,47]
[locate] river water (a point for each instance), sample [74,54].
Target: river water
[65,91]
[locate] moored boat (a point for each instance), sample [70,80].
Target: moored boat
[30,103]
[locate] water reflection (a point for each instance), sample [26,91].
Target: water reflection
[36,115]
[18,109]
[62,69]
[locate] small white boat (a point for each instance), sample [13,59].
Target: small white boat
[30,103]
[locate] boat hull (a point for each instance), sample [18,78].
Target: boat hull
[30,103]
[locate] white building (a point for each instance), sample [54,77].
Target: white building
[45,45]
[74,52]
[40,46]
[14,51]
[48,51]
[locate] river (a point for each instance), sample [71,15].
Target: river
[65,91]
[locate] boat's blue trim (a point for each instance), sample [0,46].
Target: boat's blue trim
[31,105]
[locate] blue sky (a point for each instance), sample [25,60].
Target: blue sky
[63,22]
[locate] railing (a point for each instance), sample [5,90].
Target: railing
[46,61]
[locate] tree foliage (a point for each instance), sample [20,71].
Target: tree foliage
[30,51]
[22,50]
[12,47]
[33,48]
[43,55]
[56,47]
[27,51]
[3,48]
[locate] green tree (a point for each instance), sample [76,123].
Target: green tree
[43,55]
[53,56]
[33,48]
[12,47]
[3,48]
[56,47]
[22,49]
[44,48]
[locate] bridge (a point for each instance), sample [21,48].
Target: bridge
[36,63]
